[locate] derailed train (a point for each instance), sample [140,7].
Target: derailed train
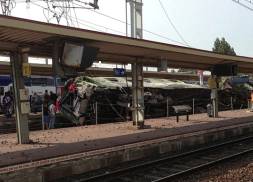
[109,98]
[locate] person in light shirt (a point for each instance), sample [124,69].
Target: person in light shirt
[52,112]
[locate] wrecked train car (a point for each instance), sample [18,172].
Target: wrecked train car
[107,99]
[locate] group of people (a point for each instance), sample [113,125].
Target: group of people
[7,104]
[50,103]
[50,108]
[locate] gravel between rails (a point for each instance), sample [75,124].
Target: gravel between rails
[238,170]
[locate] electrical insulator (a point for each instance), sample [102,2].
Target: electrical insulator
[94,4]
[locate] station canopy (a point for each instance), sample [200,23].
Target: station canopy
[39,36]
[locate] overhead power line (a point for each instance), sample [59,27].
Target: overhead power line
[171,23]
[145,30]
[245,4]
[83,22]
[7,6]
[54,9]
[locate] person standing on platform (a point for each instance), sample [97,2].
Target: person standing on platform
[46,97]
[52,112]
[8,104]
[53,96]
[45,115]
[58,104]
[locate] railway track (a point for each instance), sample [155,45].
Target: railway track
[171,167]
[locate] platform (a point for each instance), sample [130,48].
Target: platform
[59,145]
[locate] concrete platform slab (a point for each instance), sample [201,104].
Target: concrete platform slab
[64,141]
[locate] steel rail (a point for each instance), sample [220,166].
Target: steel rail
[203,166]
[122,171]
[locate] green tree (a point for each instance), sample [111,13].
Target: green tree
[223,47]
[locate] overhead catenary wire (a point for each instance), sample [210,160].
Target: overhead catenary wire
[83,22]
[244,5]
[145,30]
[80,21]
[76,17]
[171,23]
[121,21]
[7,6]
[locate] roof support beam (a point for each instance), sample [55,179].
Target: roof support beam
[8,46]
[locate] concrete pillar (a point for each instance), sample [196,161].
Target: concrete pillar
[20,106]
[138,95]
[163,66]
[213,85]
[137,68]
[57,69]
[214,98]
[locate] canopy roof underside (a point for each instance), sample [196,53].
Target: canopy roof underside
[39,37]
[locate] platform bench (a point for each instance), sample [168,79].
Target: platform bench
[182,110]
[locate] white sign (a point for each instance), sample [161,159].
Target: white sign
[23,94]
[25,107]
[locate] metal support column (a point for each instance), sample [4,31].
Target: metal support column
[214,98]
[18,85]
[137,68]
[126,19]
[136,18]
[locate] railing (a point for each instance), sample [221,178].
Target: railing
[193,102]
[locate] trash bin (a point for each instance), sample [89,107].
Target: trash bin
[209,109]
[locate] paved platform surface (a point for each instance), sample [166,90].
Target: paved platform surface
[58,142]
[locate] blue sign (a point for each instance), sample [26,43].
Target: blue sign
[119,71]
[5,80]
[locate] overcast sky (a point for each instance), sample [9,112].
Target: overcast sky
[198,21]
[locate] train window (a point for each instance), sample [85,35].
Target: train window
[50,81]
[60,81]
[112,79]
[27,81]
[49,61]
[38,82]
[42,81]
[147,80]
